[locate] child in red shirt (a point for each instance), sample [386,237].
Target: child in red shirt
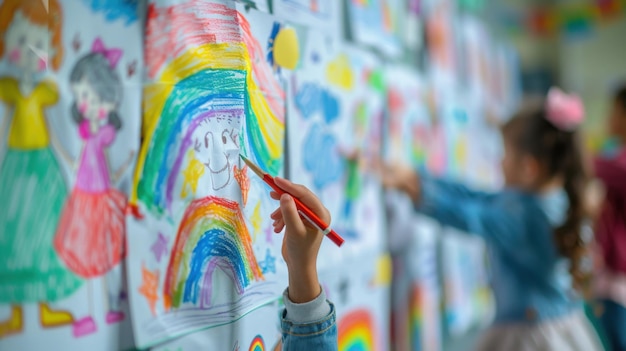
[610,169]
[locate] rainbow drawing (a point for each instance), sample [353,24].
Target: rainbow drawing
[417,317]
[212,234]
[210,81]
[356,331]
[257,344]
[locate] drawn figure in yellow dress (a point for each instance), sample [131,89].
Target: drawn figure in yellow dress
[32,187]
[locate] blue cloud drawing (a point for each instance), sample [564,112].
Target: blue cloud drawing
[308,99]
[311,99]
[321,157]
[331,107]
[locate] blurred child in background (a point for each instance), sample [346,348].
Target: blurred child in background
[532,228]
[610,282]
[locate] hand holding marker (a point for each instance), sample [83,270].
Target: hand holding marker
[304,211]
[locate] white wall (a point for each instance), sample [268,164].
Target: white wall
[592,66]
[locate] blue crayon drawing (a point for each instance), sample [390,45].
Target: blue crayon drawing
[270,46]
[331,107]
[325,164]
[312,99]
[216,249]
[115,9]
[308,99]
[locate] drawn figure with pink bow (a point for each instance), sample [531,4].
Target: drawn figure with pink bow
[91,235]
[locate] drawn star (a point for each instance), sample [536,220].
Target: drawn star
[255,220]
[241,175]
[149,287]
[159,248]
[269,264]
[191,175]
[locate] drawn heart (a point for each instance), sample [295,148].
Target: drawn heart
[76,42]
[132,67]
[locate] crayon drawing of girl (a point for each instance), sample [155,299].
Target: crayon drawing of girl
[91,234]
[32,188]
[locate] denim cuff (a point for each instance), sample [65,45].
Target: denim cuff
[307,312]
[309,328]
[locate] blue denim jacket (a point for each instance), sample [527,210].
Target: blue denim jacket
[309,326]
[530,279]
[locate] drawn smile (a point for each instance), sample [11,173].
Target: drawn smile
[208,165]
[221,177]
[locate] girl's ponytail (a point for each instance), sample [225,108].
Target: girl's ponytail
[548,132]
[569,237]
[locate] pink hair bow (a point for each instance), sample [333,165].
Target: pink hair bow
[564,111]
[112,55]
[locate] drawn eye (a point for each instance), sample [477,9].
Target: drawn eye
[225,137]
[207,137]
[233,137]
[22,40]
[39,45]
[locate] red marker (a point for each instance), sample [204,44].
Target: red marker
[304,211]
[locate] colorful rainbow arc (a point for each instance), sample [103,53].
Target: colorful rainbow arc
[257,344]
[212,235]
[211,79]
[356,331]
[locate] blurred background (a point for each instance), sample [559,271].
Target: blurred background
[424,82]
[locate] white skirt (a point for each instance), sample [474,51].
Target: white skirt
[569,333]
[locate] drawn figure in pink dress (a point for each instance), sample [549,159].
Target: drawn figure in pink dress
[91,235]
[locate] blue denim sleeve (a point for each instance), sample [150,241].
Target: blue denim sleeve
[320,335]
[498,217]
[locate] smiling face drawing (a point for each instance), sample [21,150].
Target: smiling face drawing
[89,103]
[28,45]
[216,142]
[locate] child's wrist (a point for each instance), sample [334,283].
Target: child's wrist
[304,285]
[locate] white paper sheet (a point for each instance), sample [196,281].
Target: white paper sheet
[378,23]
[362,215]
[318,129]
[258,330]
[201,251]
[360,292]
[319,14]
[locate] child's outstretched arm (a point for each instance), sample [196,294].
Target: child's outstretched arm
[452,204]
[308,321]
[406,179]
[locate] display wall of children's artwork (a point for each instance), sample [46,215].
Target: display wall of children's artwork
[362,216]
[336,108]
[71,87]
[121,126]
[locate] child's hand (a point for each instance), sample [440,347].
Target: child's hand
[401,177]
[302,240]
[594,198]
